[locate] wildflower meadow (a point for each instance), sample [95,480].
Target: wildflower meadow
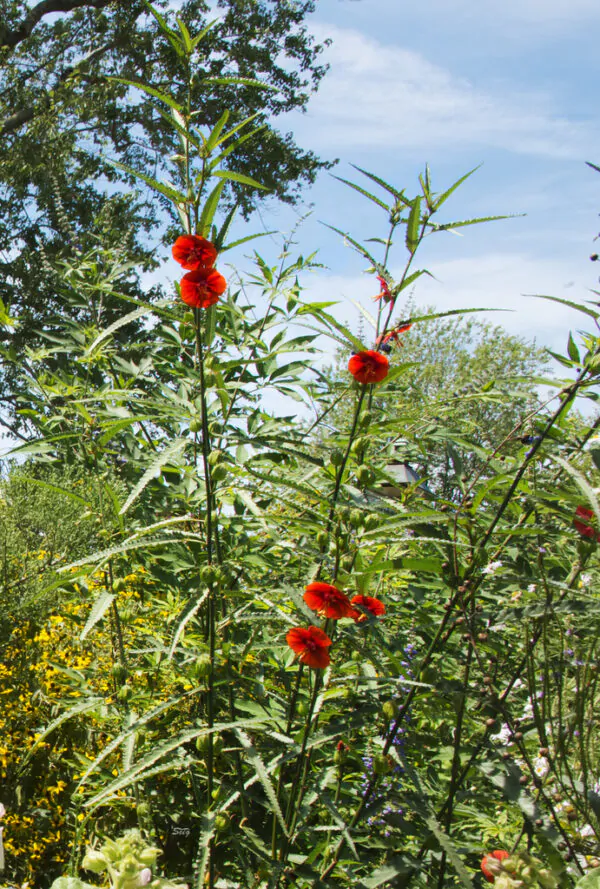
[349,645]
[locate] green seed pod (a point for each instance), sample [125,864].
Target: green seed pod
[219,473]
[188,318]
[222,822]
[215,428]
[347,562]
[357,657]
[215,457]
[322,539]
[371,522]
[143,810]
[336,458]
[196,425]
[364,421]
[118,585]
[389,710]
[208,575]
[302,708]
[125,693]
[356,518]
[202,744]
[359,445]
[365,476]
[382,764]
[94,861]
[202,666]
[119,673]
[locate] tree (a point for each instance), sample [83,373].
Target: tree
[65,121]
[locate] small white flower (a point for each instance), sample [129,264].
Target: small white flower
[491,568]
[503,736]
[145,876]
[532,588]
[541,766]
[586,579]
[587,831]
[2,811]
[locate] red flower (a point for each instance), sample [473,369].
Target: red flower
[385,294]
[490,873]
[328,601]
[369,603]
[584,529]
[369,367]
[202,287]
[194,252]
[310,645]
[383,339]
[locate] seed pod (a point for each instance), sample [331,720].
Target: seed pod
[125,693]
[336,457]
[219,473]
[196,424]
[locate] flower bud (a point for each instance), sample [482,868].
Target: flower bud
[336,458]
[94,861]
[196,425]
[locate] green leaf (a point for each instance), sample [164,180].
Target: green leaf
[99,609]
[157,94]
[213,138]
[450,226]
[189,611]
[566,302]
[331,322]
[242,81]
[441,199]
[253,757]
[591,880]
[363,191]
[171,35]
[79,708]
[58,490]
[238,177]
[413,225]
[395,868]
[210,208]
[572,350]
[169,453]
[362,250]
[160,187]
[399,195]
[116,325]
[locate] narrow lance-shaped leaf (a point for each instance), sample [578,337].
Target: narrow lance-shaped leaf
[213,138]
[413,225]
[151,91]
[160,187]
[239,177]
[442,198]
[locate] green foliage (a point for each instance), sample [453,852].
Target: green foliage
[434,690]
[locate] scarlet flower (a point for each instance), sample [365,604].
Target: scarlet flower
[327,600]
[385,294]
[584,529]
[194,252]
[383,340]
[202,287]
[496,855]
[369,367]
[310,645]
[369,603]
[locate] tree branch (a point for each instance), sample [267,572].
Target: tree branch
[11,38]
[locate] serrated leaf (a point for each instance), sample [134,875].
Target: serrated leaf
[116,325]
[395,868]
[364,192]
[242,81]
[189,611]
[160,187]
[441,199]
[258,765]
[68,714]
[154,469]
[579,307]
[99,609]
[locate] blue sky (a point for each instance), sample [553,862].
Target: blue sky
[507,84]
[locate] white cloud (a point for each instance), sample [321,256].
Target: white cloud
[390,99]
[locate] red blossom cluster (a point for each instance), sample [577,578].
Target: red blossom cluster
[328,601]
[203,284]
[489,865]
[584,528]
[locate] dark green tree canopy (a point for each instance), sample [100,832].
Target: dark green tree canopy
[63,120]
